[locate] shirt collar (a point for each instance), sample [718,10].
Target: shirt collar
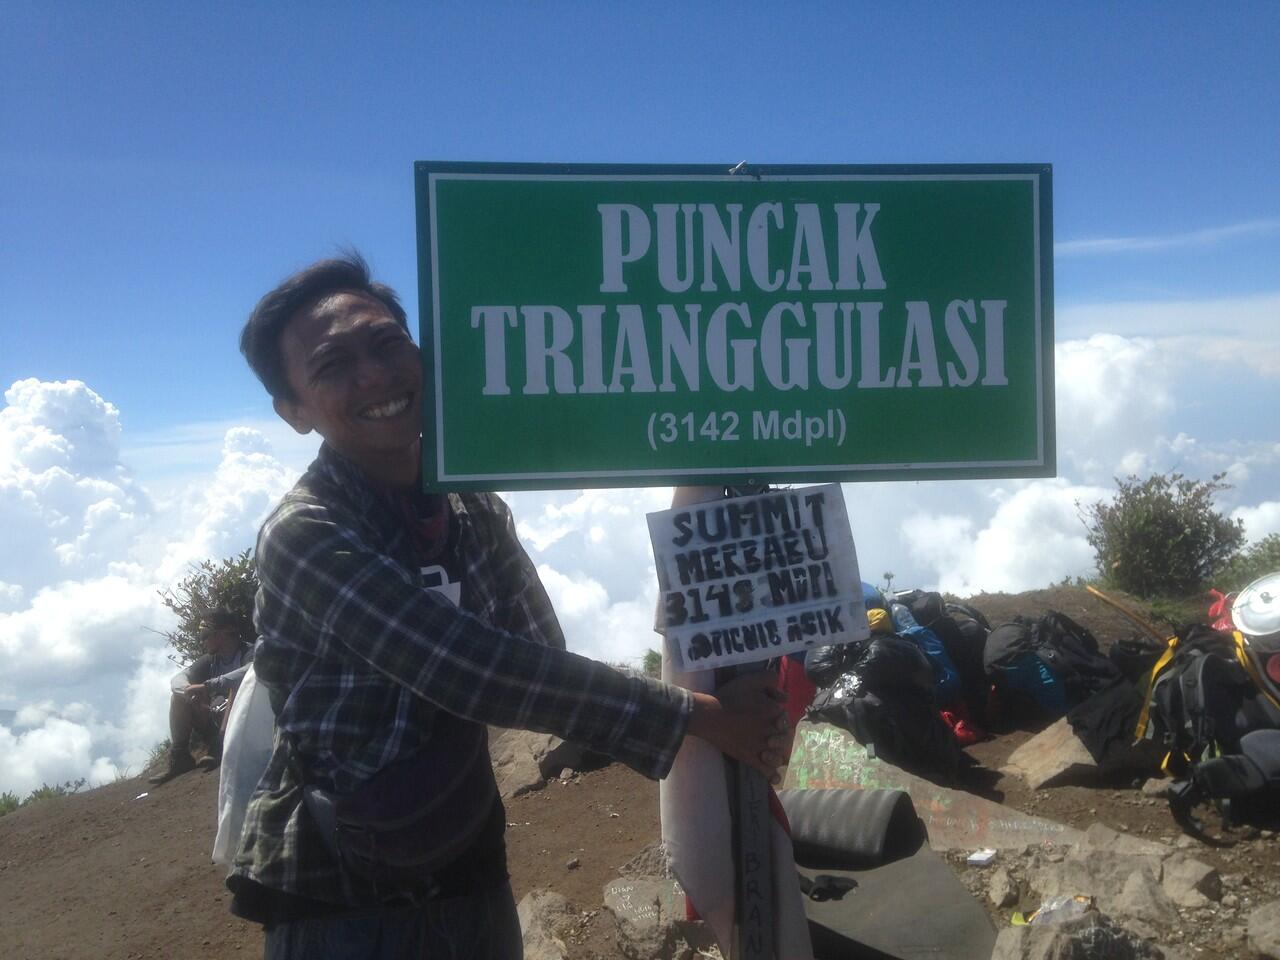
[352,482]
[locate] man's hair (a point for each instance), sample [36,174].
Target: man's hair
[260,338]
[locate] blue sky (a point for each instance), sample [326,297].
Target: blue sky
[163,165]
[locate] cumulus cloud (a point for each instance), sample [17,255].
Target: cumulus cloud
[88,545]
[1224,336]
[54,751]
[1034,537]
[1260,521]
[67,505]
[81,659]
[222,517]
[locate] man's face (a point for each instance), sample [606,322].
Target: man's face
[218,639]
[357,380]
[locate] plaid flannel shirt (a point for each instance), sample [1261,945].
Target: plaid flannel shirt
[360,661]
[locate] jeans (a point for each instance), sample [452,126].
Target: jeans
[479,927]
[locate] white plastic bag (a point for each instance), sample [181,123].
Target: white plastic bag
[246,750]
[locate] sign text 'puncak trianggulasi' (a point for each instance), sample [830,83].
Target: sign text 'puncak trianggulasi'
[619,325]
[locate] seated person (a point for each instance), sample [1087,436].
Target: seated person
[202,693]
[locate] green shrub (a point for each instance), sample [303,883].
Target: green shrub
[1259,560]
[48,791]
[652,664]
[1161,536]
[159,754]
[232,584]
[9,802]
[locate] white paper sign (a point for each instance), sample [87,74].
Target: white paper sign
[757,577]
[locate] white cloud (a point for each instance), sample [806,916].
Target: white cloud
[88,546]
[222,516]
[1034,537]
[86,551]
[1219,337]
[1156,242]
[67,505]
[56,751]
[1259,521]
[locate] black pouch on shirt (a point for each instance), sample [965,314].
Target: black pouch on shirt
[414,817]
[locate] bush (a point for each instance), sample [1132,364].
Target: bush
[158,754]
[48,792]
[1259,560]
[652,664]
[231,583]
[9,802]
[1161,536]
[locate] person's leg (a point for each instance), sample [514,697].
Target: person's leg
[483,927]
[480,927]
[182,718]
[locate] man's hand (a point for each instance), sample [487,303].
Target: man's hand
[196,692]
[744,720]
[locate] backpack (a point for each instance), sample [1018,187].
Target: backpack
[885,698]
[1069,669]
[962,631]
[1196,694]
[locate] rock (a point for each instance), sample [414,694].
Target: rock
[1143,900]
[573,864]
[1101,837]
[1264,930]
[650,912]
[540,912]
[1157,788]
[1001,889]
[1089,937]
[524,760]
[1055,755]
[1190,883]
[1101,874]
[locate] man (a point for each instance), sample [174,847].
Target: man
[202,693]
[395,625]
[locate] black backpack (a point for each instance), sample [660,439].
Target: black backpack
[963,632]
[1196,699]
[1067,648]
[884,697]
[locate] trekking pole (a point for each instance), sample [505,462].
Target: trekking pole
[1128,614]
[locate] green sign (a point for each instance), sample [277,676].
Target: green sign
[627,326]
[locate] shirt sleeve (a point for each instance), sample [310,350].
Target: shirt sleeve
[528,611]
[319,577]
[228,681]
[197,671]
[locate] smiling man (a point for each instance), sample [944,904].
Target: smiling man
[395,626]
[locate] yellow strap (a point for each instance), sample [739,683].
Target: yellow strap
[1145,716]
[1251,669]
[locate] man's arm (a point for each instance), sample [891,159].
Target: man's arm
[193,674]
[229,681]
[317,574]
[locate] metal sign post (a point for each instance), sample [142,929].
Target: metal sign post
[753,856]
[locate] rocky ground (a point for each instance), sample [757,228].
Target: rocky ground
[114,873]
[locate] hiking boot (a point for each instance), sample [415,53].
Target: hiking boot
[209,762]
[179,763]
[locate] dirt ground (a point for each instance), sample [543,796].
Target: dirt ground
[112,874]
